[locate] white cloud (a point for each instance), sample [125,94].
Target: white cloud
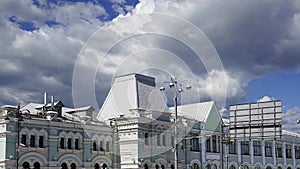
[42,59]
[220,85]
[235,28]
[265,99]
[290,118]
[84,13]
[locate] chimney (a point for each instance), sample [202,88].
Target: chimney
[52,102]
[45,98]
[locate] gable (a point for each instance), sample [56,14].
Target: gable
[213,120]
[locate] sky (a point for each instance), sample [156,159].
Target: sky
[232,51]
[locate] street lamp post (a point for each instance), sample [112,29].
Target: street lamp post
[17,115]
[173,84]
[19,119]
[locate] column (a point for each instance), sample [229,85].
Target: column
[239,152]
[226,158]
[293,154]
[203,149]
[263,152]
[251,152]
[274,153]
[284,153]
[218,143]
[211,144]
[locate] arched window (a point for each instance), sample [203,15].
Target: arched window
[62,140]
[232,167]
[107,149]
[146,166]
[146,139]
[246,167]
[172,166]
[97,166]
[156,166]
[195,166]
[289,168]
[36,165]
[78,141]
[104,166]
[162,167]
[269,167]
[25,165]
[208,166]
[215,166]
[64,166]
[32,140]
[94,146]
[257,167]
[73,166]
[62,143]
[42,139]
[279,167]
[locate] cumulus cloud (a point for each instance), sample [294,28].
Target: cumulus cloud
[42,59]
[265,99]
[252,39]
[289,119]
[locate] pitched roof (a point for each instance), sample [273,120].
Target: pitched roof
[132,91]
[72,110]
[31,107]
[197,111]
[289,133]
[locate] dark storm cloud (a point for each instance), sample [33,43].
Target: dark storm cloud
[253,36]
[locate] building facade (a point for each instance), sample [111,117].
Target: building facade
[133,129]
[52,136]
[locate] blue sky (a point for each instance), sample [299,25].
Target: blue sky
[279,85]
[257,43]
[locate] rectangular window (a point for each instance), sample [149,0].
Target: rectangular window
[158,140]
[288,151]
[24,139]
[164,140]
[268,149]
[245,147]
[146,137]
[278,150]
[41,141]
[214,144]
[32,141]
[107,146]
[232,148]
[297,152]
[195,142]
[257,148]
[69,143]
[208,148]
[101,145]
[172,141]
[77,144]
[62,143]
